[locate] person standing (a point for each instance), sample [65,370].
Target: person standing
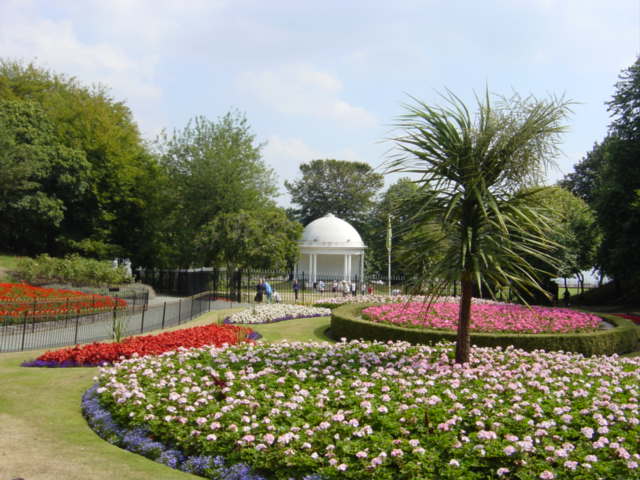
[259,291]
[296,289]
[268,291]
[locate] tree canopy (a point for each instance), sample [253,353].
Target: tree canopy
[215,168]
[608,178]
[475,209]
[262,239]
[107,216]
[346,189]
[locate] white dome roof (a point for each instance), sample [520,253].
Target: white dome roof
[331,231]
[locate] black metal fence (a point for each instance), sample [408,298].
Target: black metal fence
[32,333]
[242,285]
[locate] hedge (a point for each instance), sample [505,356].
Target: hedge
[347,322]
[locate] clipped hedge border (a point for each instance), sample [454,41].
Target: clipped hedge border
[347,322]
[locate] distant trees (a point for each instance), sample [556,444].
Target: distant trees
[101,211]
[263,238]
[475,210]
[346,189]
[213,168]
[608,179]
[76,177]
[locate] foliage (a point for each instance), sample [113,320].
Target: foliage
[72,269]
[215,168]
[576,231]
[106,178]
[40,177]
[608,178]
[347,322]
[475,211]
[395,202]
[346,189]
[263,239]
[385,411]
[97,353]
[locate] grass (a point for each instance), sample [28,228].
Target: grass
[7,263]
[44,436]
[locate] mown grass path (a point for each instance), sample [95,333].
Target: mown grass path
[43,435]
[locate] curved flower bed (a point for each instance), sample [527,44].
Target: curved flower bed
[276,313]
[97,353]
[485,317]
[17,299]
[386,411]
[338,301]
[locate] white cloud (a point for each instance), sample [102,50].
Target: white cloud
[302,90]
[55,44]
[285,155]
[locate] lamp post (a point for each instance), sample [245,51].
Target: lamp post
[389,253]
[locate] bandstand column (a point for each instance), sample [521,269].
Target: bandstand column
[345,268]
[315,267]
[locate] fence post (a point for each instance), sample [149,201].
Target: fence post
[179,310]
[209,300]
[142,320]
[164,310]
[75,337]
[24,330]
[191,309]
[303,287]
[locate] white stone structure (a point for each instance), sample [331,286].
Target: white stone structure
[330,249]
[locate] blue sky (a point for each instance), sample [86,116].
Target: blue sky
[327,79]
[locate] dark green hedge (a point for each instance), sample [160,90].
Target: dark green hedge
[347,322]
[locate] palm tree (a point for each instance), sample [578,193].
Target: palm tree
[476,177]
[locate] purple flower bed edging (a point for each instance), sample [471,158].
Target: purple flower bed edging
[138,440]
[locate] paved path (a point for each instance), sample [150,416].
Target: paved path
[100,327]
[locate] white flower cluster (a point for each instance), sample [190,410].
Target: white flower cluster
[400,299]
[274,313]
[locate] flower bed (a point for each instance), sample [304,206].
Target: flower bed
[39,303]
[276,313]
[484,318]
[386,411]
[338,301]
[100,353]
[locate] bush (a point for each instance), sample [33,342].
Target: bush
[74,270]
[346,321]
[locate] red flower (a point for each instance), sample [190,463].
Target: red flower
[98,353]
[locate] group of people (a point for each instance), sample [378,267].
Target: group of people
[264,291]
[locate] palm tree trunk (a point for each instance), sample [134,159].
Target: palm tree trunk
[463,342]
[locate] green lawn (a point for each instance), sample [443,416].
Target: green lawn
[7,262]
[43,435]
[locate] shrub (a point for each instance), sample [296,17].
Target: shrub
[347,322]
[73,269]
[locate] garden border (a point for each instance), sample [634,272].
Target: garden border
[346,321]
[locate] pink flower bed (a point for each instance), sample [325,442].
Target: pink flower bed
[484,318]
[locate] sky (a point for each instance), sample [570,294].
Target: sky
[329,79]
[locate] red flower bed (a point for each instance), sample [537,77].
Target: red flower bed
[99,353]
[634,318]
[18,298]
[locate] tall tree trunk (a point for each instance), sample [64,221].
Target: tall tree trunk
[463,342]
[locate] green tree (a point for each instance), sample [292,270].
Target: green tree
[473,170]
[110,216]
[576,232]
[608,178]
[346,189]
[395,202]
[39,178]
[214,168]
[262,239]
